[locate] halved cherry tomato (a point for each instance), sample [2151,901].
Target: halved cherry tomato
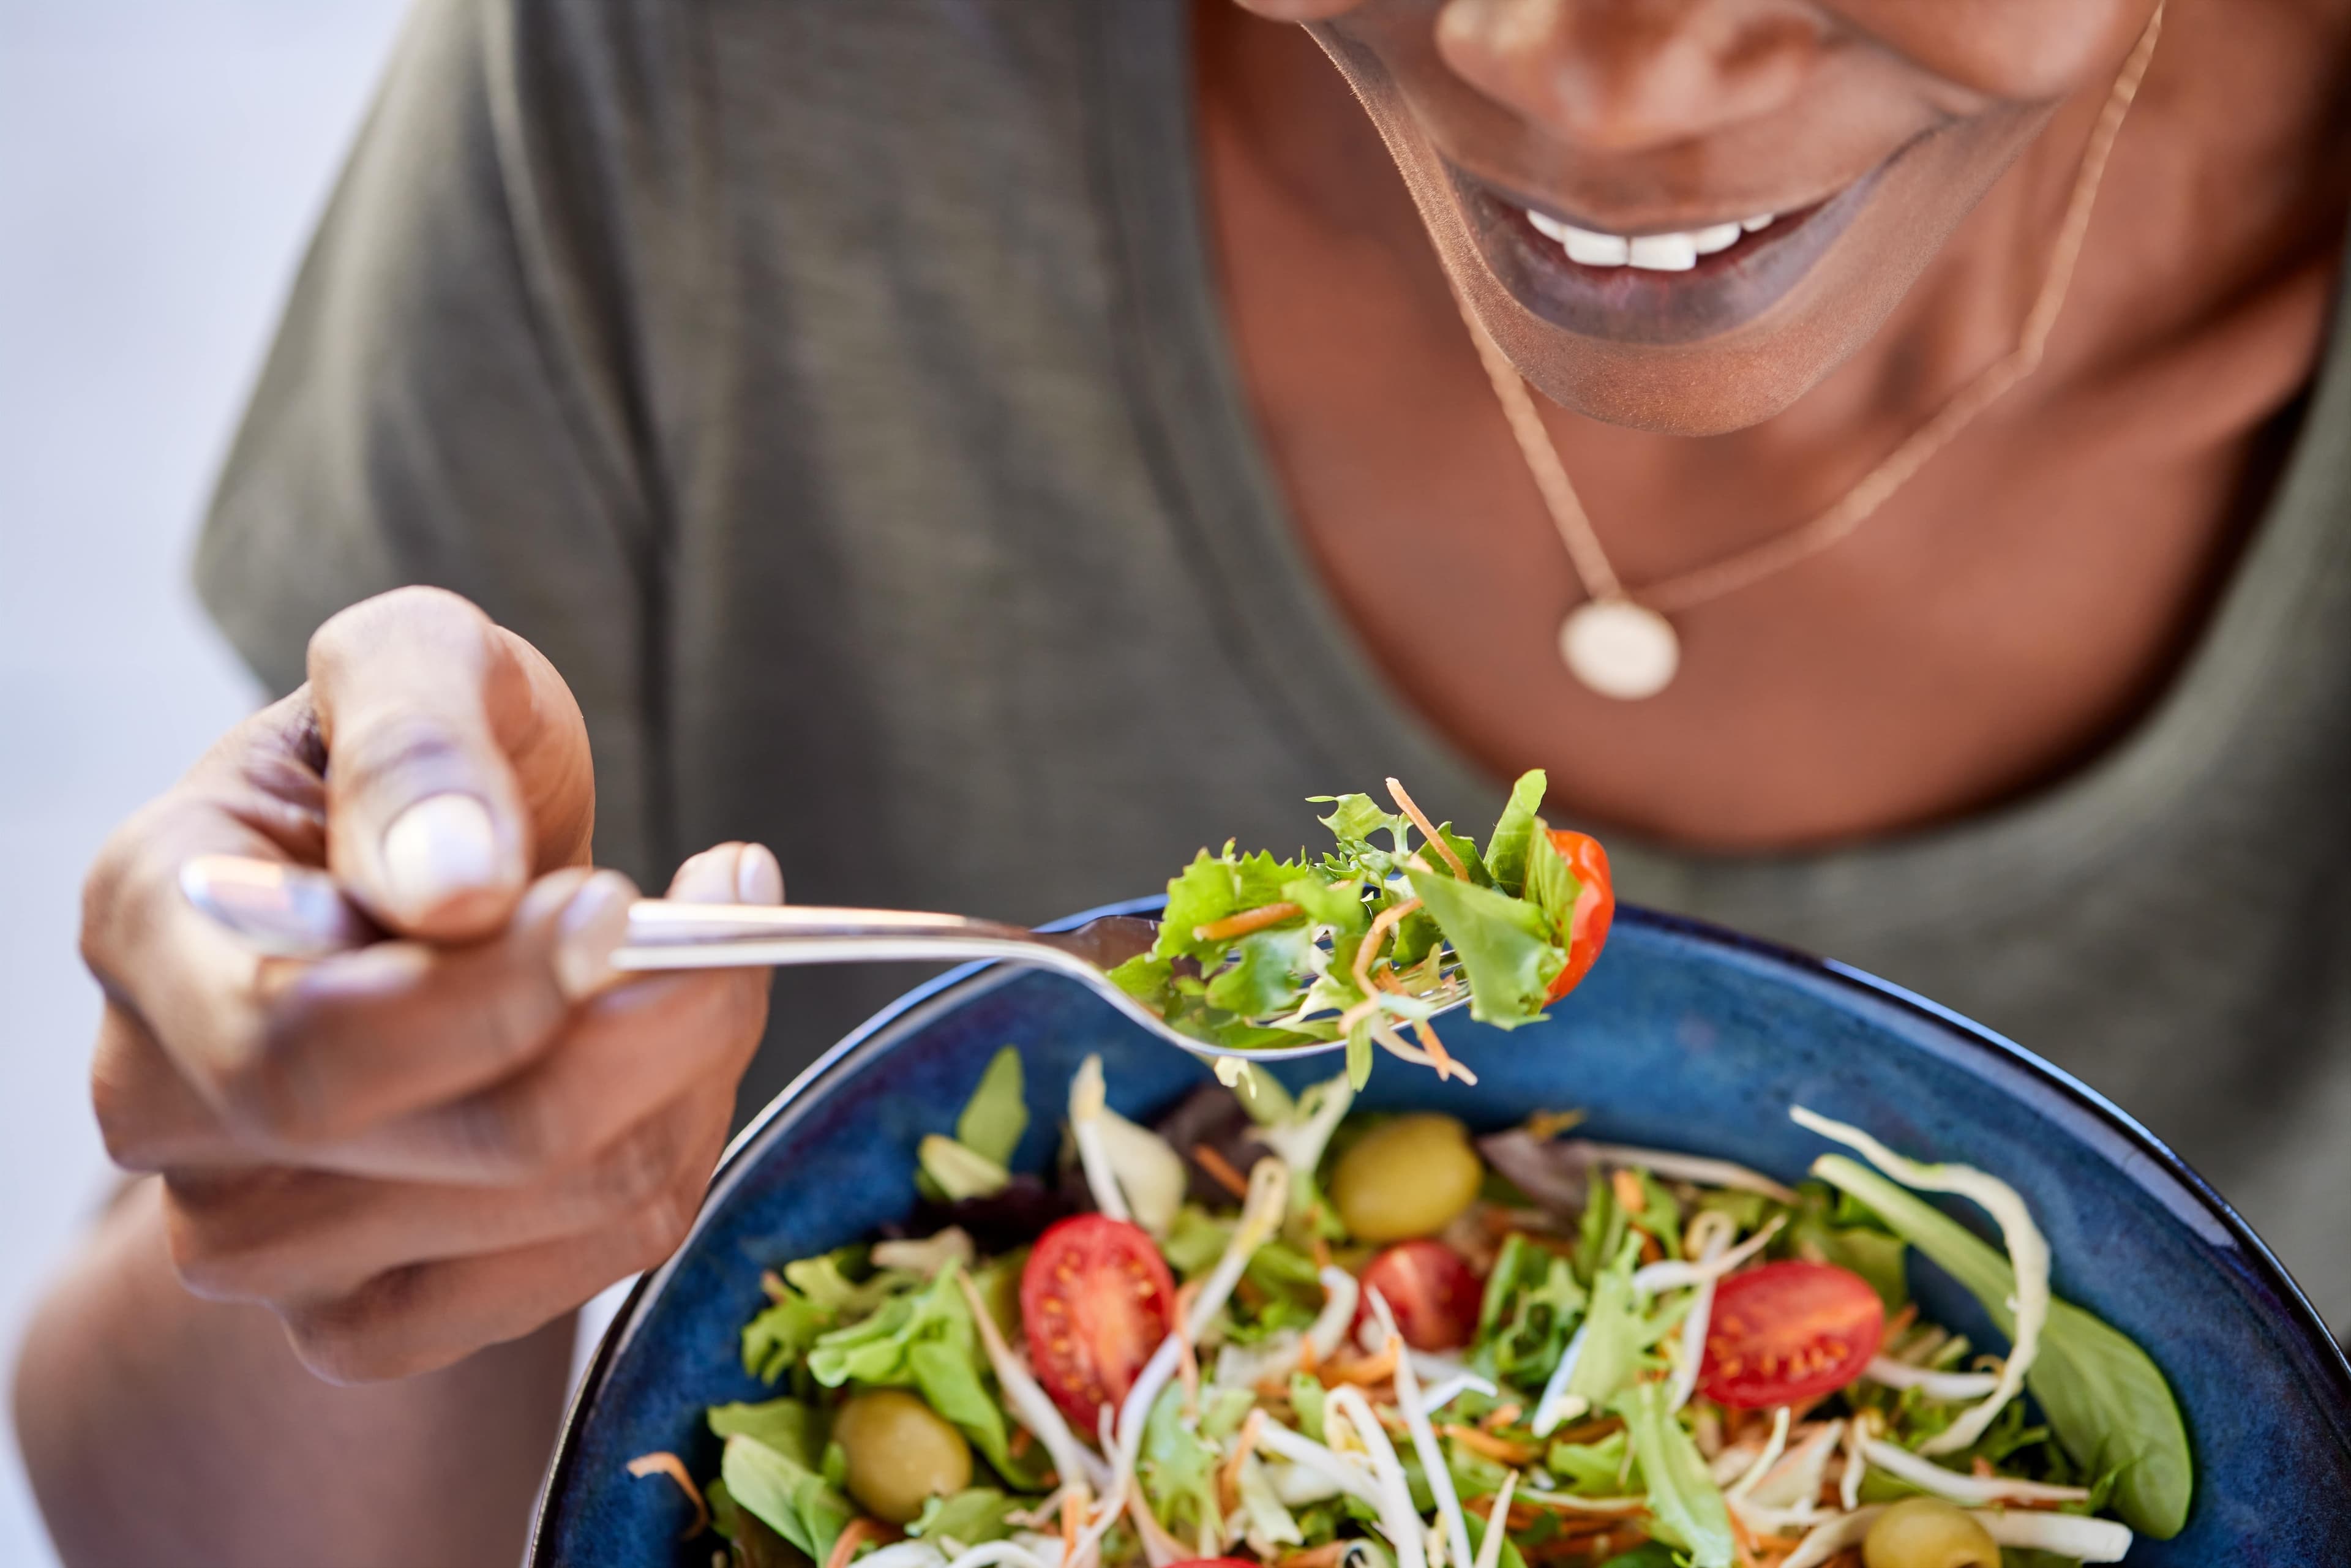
[1596,906]
[1788,1331]
[1430,1290]
[1095,1300]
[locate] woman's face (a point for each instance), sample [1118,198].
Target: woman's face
[1556,146]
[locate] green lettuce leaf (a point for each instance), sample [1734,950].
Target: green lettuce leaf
[1685,1507]
[1615,1331]
[1590,1469]
[972,1517]
[776,1340]
[1214,887]
[1178,1467]
[790,1426]
[2111,1409]
[788,1497]
[997,1114]
[926,1341]
[1506,949]
[1530,1310]
[1269,977]
[824,1280]
[1506,850]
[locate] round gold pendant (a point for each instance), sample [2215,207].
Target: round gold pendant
[1620,649]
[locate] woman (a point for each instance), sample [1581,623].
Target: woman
[985,451]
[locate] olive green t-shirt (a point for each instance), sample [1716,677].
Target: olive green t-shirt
[838,395]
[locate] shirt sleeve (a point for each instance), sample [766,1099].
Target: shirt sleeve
[448,400]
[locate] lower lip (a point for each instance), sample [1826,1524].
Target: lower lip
[1637,304]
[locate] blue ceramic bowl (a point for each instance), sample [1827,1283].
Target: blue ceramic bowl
[1683,1037]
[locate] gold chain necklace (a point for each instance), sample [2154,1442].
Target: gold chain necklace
[1618,641]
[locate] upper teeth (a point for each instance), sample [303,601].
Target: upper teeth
[1659,252]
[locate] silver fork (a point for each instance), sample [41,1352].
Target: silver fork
[308,917]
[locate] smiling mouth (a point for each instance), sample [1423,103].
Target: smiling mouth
[1672,287]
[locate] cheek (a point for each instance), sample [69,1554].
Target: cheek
[2024,51]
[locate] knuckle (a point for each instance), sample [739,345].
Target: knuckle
[636,1173]
[660,1225]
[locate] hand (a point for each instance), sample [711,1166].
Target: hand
[458,1127]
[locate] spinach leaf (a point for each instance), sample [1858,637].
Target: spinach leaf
[2111,1409]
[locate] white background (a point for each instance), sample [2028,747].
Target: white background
[161,163]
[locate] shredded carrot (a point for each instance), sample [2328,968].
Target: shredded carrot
[1385,921]
[1448,1066]
[1363,1370]
[1187,1365]
[1322,1247]
[1501,1415]
[1247,921]
[1228,1474]
[1221,1170]
[1631,1197]
[1330,1554]
[1900,1322]
[1021,1442]
[1309,1356]
[1428,830]
[854,1534]
[670,1465]
[1493,1447]
[772,1286]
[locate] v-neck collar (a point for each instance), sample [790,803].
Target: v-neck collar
[1175,351]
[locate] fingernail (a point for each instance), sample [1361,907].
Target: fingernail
[594,923]
[286,912]
[758,879]
[442,847]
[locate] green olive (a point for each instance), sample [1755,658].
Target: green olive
[900,1453]
[1406,1177]
[1927,1533]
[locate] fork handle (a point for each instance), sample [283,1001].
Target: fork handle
[664,934]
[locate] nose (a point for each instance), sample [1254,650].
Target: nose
[1629,75]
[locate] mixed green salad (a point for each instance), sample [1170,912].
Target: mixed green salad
[1268,1330]
[1401,919]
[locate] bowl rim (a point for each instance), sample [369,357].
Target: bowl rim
[933,994]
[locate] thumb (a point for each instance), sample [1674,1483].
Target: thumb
[424,707]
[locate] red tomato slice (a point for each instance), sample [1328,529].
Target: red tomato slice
[1095,1300]
[1430,1290]
[1596,906]
[1788,1331]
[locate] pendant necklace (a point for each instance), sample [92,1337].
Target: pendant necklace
[1619,642]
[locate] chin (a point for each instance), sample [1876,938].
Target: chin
[1714,321]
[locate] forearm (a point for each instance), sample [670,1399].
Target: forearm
[158,1427]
